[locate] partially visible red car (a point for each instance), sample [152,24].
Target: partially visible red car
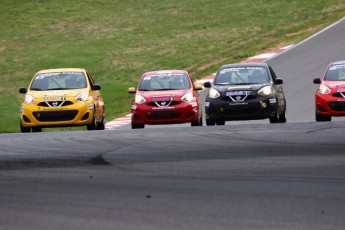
[330,96]
[165,97]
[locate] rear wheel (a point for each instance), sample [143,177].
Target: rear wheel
[319,118]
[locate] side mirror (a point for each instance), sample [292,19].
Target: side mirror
[317,81]
[23,90]
[131,90]
[96,87]
[278,81]
[197,87]
[207,84]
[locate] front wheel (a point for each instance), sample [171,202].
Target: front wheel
[137,126]
[220,122]
[24,129]
[198,122]
[274,118]
[36,129]
[319,118]
[282,118]
[93,124]
[210,122]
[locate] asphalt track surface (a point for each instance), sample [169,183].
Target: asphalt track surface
[237,176]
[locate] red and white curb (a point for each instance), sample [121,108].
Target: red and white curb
[258,58]
[119,122]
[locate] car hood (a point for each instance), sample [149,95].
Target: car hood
[334,84]
[56,93]
[224,88]
[164,93]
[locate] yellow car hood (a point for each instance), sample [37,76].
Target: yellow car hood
[56,93]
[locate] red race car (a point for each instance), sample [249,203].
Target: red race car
[330,96]
[165,97]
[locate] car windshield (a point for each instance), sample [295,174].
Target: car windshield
[165,81]
[336,73]
[58,81]
[242,75]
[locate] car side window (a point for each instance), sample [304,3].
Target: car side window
[92,82]
[274,77]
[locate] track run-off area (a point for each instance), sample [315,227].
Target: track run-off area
[243,175]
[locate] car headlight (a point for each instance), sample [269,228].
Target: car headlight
[324,89]
[265,91]
[213,93]
[28,99]
[139,99]
[188,97]
[84,96]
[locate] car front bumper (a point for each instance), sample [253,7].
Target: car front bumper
[328,105]
[78,114]
[260,108]
[182,113]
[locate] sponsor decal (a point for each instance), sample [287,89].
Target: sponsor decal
[239,87]
[158,99]
[46,93]
[273,100]
[53,109]
[237,93]
[165,108]
[54,99]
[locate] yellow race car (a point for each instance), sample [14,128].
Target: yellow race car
[61,98]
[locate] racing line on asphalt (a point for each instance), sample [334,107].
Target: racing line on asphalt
[126,120]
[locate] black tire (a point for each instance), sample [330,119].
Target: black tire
[319,118]
[198,122]
[274,119]
[220,122]
[24,129]
[137,126]
[101,125]
[282,118]
[36,129]
[93,125]
[210,122]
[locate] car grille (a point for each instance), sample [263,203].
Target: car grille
[239,98]
[337,105]
[55,103]
[163,103]
[341,95]
[161,115]
[48,116]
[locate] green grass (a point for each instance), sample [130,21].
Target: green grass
[116,41]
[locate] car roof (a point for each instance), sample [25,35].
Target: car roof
[166,72]
[244,64]
[61,70]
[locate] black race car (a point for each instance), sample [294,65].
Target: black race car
[245,91]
